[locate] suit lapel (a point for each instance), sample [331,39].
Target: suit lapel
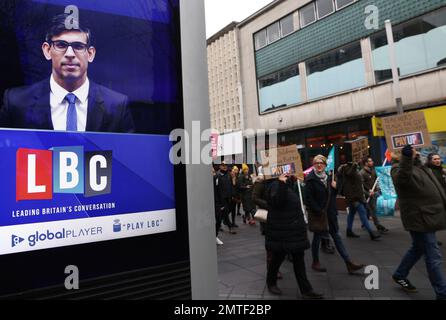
[96,110]
[40,115]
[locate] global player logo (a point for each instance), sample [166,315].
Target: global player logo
[15,240]
[40,173]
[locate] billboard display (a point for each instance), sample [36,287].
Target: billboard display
[90,91]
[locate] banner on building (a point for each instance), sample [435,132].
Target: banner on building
[282,160]
[408,128]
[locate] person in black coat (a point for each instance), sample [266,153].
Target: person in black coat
[225,190]
[320,188]
[286,233]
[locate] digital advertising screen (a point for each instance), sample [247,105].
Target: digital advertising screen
[90,91]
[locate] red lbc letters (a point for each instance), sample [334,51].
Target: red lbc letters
[34,174]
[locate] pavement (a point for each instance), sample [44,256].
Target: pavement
[242,266]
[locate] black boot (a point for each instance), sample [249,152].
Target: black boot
[374,236]
[351,234]
[381,228]
[274,289]
[327,247]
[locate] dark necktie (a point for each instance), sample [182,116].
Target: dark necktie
[71,113]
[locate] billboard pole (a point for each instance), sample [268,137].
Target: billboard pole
[395,75]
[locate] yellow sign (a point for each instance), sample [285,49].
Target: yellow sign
[434,119]
[377,125]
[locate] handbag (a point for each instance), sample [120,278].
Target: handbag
[318,222]
[261,215]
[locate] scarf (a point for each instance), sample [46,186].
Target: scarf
[322,177]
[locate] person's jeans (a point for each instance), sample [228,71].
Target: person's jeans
[333,230]
[298,266]
[371,207]
[362,211]
[424,243]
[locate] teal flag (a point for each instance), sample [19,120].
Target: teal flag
[331,160]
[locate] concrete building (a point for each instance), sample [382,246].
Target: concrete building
[224,79]
[319,70]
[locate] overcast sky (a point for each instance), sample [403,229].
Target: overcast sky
[219,13]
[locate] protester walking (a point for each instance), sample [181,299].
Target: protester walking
[368,175]
[423,213]
[245,185]
[435,164]
[320,200]
[354,194]
[219,206]
[224,187]
[259,196]
[286,233]
[235,198]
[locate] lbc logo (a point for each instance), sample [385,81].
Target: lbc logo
[39,173]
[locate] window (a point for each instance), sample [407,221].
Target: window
[336,71]
[287,25]
[420,45]
[273,32]
[324,8]
[260,39]
[279,89]
[307,15]
[342,3]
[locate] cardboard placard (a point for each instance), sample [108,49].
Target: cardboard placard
[358,148]
[282,160]
[408,128]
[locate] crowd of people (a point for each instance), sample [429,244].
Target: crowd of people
[421,191]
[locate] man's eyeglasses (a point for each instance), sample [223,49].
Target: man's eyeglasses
[62,46]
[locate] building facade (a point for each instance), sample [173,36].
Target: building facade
[224,79]
[319,70]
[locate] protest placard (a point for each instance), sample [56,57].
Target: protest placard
[357,149]
[282,160]
[408,128]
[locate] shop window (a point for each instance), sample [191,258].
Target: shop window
[279,89]
[336,71]
[307,15]
[324,8]
[419,45]
[287,25]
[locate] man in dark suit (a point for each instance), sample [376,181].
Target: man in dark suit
[67,100]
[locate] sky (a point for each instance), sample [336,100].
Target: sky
[219,13]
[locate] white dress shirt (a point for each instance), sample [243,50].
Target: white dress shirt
[59,106]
